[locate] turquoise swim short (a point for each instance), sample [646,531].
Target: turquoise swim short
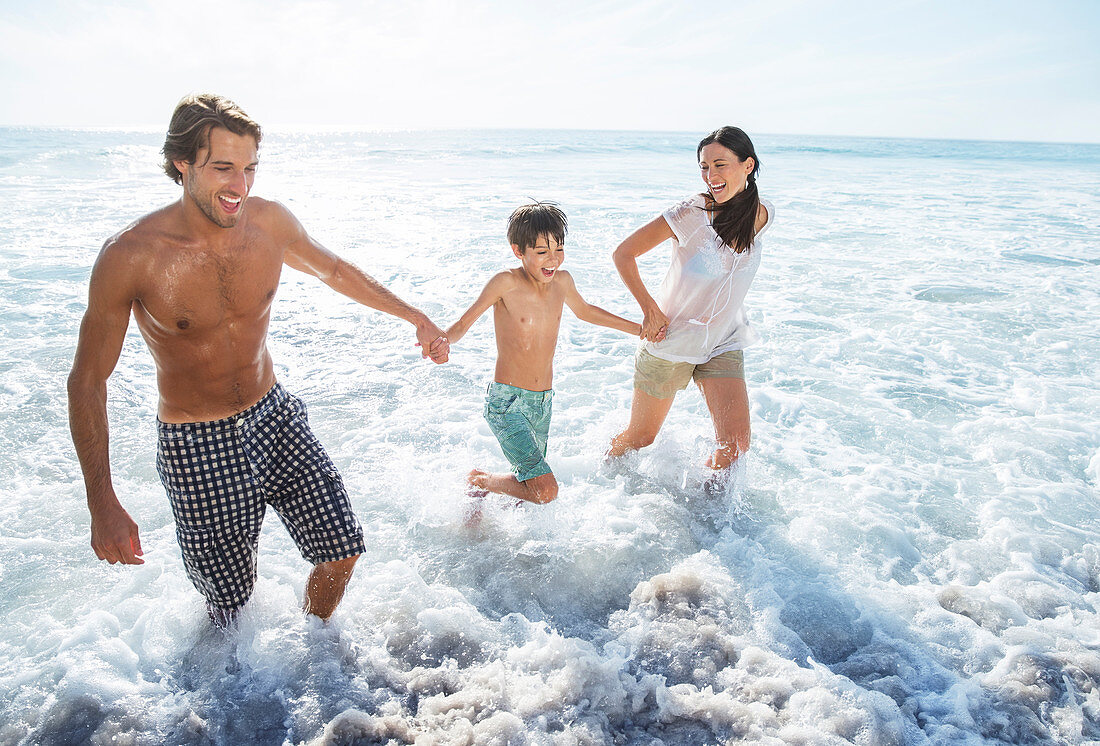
[521,421]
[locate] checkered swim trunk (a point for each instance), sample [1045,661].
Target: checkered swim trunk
[221,475]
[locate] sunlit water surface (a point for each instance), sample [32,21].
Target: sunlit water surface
[910,553]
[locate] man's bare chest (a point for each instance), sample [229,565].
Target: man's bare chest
[196,290]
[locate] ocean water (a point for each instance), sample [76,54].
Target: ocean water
[909,554]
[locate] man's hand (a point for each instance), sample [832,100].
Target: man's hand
[115,536]
[432,342]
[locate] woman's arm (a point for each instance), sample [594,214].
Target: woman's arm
[649,236]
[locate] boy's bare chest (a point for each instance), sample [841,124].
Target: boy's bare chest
[534,311]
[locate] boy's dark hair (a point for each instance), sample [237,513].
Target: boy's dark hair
[529,222]
[189,130]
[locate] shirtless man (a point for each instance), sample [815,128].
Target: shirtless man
[199,276]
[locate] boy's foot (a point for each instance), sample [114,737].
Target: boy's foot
[476,480]
[471,516]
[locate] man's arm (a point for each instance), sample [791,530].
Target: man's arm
[490,294]
[102,332]
[585,311]
[305,254]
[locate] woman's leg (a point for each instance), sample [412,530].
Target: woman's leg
[647,414]
[728,402]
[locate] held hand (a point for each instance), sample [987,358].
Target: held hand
[440,351]
[115,537]
[654,325]
[432,342]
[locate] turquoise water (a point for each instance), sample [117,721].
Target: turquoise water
[911,553]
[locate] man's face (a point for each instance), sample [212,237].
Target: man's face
[221,177]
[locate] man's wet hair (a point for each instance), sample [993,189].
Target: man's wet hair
[529,222]
[189,130]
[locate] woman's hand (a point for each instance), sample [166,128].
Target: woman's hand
[654,324]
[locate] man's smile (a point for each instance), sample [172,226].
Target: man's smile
[230,204]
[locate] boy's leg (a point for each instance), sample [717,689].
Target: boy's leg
[541,489]
[521,423]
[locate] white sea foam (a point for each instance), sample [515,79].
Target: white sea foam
[910,553]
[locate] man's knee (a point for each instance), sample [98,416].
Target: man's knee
[339,567]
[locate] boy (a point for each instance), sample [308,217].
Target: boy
[527,303]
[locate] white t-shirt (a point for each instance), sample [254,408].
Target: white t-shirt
[705,287]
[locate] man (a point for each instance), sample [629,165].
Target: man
[199,276]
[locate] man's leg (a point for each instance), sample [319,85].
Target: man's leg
[313,503]
[326,585]
[218,512]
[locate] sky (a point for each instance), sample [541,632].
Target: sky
[965,69]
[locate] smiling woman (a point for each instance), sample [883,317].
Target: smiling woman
[698,328]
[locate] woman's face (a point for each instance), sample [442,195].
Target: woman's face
[723,172]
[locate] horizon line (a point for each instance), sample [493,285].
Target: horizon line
[333,129]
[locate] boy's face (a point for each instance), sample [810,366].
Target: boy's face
[542,260]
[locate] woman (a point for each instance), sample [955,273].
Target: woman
[698,327]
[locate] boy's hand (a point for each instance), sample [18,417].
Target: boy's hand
[432,342]
[654,325]
[440,351]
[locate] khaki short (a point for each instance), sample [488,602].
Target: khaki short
[662,378]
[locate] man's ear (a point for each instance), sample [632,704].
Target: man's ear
[516,250]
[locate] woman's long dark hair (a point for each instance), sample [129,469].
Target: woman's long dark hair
[735,220]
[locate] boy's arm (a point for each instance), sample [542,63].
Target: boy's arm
[490,294]
[585,311]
